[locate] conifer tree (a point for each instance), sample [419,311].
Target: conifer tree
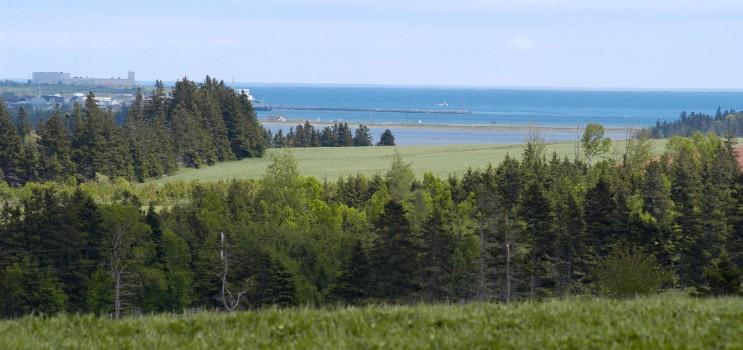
[159,121]
[437,248]
[26,288]
[24,125]
[537,213]
[394,257]
[329,137]
[399,178]
[599,208]
[30,161]
[344,135]
[281,286]
[362,136]
[215,123]
[687,192]
[55,149]
[387,139]
[350,285]
[722,277]
[11,149]
[139,136]
[279,141]
[572,246]
[273,284]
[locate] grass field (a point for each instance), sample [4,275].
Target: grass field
[333,162]
[662,322]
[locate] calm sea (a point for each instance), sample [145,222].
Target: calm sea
[492,107]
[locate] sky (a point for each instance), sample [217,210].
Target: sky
[644,44]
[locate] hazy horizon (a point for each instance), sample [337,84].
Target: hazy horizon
[502,44]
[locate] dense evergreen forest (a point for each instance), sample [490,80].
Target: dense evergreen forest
[524,229]
[194,125]
[337,135]
[723,123]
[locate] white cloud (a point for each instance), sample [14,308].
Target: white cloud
[524,42]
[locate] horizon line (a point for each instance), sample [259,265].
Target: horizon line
[445,86]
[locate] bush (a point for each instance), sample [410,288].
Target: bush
[629,272]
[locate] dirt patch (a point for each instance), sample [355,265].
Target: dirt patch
[739,152]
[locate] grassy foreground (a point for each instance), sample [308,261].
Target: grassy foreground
[333,162]
[661,322]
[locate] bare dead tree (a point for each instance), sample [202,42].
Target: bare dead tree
[508,272]
[117,266]
[230,300]
[536,138]
[123,233]
[119,258]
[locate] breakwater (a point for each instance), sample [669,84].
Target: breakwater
[375,110]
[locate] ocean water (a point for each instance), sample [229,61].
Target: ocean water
[485,107]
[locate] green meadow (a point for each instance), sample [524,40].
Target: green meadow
[332,162]
[660,322]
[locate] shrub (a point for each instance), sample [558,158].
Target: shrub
[629,272]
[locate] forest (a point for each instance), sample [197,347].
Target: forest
[337,135]
[723,123]
[192,126]
[525,229]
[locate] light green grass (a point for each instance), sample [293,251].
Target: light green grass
[332,162]
[663,322]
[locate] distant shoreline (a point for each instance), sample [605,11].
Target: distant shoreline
[463,127]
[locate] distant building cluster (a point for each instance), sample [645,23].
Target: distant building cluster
[51,101]
[61,78]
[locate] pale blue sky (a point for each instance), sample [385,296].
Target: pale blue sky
[502,43]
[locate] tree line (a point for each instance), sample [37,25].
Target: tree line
[194,125]
[191,126]
[728,123]
[525,229]
[337,135]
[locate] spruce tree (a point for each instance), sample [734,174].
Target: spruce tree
[722,277]
[687,193]
[11,149]
[344,135]
[329,137]
[599,207]
[30,161]
[572,247]
[138,133]
[362,136]
[438,245]
[273,284]
[24,125]
[161,142]
[394,257]
[55,150]
[350,285]
[387,139]
[215,123]
[536,212]
[281,286]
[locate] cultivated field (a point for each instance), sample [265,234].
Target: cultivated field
[662,322]
[333,162]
